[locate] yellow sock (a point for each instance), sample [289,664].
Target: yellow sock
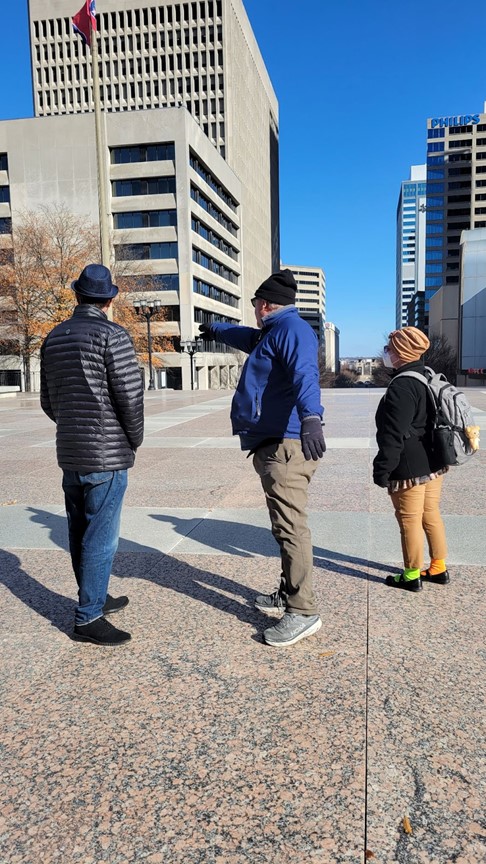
[437,565]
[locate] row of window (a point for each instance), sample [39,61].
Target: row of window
[145,219]
[210,263]
[203,231]
[202,316]
[213,211]
[212,182]
[200,287]
[145,186]
[143,153]
[153,17]
[145,251]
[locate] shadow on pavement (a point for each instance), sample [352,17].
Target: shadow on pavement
[248,541]
[168,572]
[59,610]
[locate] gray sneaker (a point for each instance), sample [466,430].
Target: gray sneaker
[266,602]
[291,629]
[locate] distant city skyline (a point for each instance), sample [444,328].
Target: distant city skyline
[347,134]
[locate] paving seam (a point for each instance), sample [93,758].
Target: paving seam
[185,536]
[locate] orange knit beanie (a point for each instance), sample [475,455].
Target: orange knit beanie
[408,343]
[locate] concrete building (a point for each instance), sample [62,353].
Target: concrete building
[331,346]
[472,336]
[461,315]
[187,76]
[175,214]
[202,55]
[311,296]
[410,247]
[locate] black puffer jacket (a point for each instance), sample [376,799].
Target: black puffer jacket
[92,388]
[403,434]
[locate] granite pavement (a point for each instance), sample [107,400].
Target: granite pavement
[195,743]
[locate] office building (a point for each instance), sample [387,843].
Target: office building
[410,248]
[201,55]
[175,206]
[456,202]
[331,346]
[170,72]
[444,314]
[311,296]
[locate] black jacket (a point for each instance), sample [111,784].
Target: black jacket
[91,387]
[403,422]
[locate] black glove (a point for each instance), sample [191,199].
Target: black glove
[313,444]
[205,329]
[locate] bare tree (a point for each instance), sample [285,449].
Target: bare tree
[441,357]
[50,247]
[348,378]
[381,375]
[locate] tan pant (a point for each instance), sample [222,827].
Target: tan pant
[285,476]
[417,510]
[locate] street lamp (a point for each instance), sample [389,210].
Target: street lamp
[191,347]
[148,308]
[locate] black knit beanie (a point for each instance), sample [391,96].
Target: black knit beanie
[279,288]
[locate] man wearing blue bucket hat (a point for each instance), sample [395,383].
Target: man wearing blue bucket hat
[91,387]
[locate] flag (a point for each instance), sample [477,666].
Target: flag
[85,20]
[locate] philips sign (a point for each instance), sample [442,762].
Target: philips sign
[462,120]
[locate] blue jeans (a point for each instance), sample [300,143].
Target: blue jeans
[93,506]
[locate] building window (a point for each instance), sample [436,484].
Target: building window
[210,263]
[146,186]
[207,290]
[143,153]
[213,211]
[211,181]
[6,225]
[209,235]
[4,194]
[145,219]
[145,251]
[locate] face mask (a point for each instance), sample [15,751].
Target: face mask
[387,360]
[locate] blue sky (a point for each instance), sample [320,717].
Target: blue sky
[356,83]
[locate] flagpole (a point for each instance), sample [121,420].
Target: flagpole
[100,153]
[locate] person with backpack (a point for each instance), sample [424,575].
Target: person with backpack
[407,464]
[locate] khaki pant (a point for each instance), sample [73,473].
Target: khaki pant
[417,510]
[285,476]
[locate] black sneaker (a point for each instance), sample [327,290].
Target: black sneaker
[439,578]
[100,632]
[405,584]
[267,602]
[114,604]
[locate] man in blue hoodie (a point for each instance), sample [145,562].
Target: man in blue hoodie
[277,413]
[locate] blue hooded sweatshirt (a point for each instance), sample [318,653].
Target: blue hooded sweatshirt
[279,383]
